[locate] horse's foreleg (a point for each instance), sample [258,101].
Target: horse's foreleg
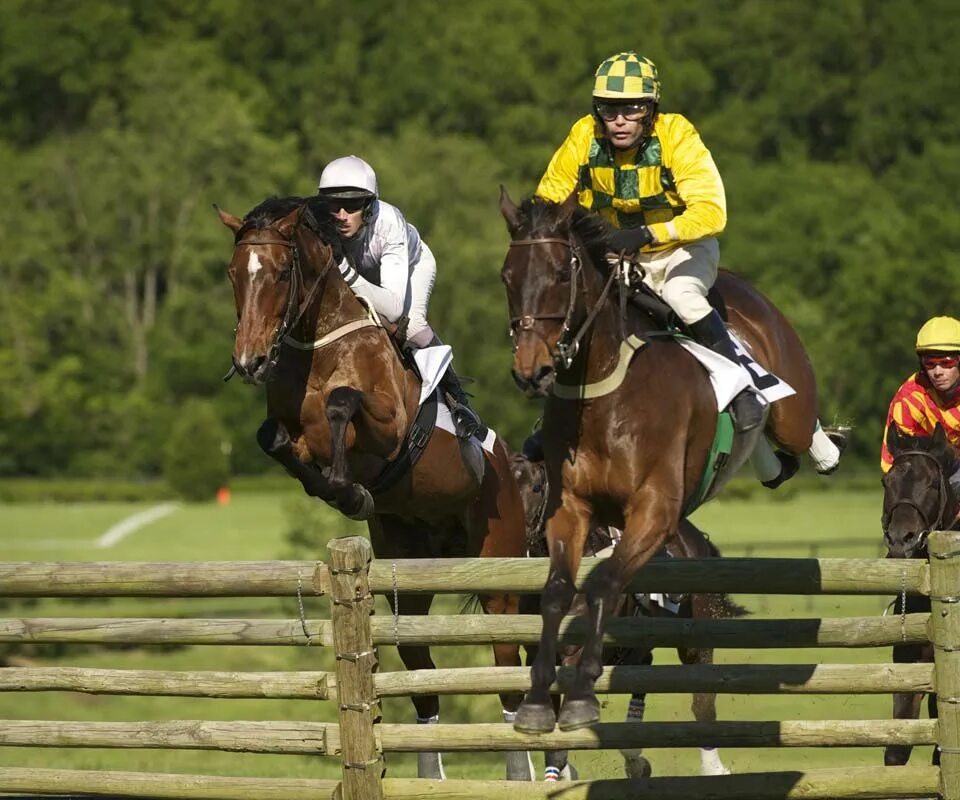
[275,441]
[635,764]
[342,406]
[566,531]
[652,519]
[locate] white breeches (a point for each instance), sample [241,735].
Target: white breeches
[423,274]
[683,275]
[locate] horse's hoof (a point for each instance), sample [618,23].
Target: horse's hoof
[361,509]
[535,718]
[637,767]
[519,766]
[579,713]
[272,436]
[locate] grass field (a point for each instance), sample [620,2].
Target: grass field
[834,524]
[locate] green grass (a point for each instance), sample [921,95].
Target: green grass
[252,527]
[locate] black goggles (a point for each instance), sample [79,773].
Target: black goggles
[632,112]
[349,204]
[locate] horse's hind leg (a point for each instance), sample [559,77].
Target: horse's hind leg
[906,705]
[704,708]
[392,538]
[635,764]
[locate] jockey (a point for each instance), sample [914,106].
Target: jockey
[651,177]
[931,396]
[387,263]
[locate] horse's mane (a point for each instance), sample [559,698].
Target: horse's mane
[946,455]
[314,217]
[542,218]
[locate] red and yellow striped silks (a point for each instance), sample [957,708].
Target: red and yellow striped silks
[917,412]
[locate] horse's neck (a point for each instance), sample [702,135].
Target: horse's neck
[600,348]
[334,306]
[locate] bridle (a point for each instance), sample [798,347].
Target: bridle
[568,343]
[293,312]
[943,493]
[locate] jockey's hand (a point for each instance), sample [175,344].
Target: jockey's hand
[629,239]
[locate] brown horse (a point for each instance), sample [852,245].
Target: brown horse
[689,542]
[340,404]
[633,456]
[917,498]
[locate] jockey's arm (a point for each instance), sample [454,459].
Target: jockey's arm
[389,299]
[698,183]
[907,414]
[563,171]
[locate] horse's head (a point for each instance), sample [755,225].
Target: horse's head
[917,496]
[271,266]
[541,273]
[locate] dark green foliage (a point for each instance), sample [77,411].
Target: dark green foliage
[196,460]
[834,126]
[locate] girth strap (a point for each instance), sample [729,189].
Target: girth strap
[418,437]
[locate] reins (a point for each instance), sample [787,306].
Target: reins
[294,312]
[564,351]
[943,494]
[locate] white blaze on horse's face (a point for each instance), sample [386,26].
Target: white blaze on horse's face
[254,265]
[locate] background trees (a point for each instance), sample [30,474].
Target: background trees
[834,125]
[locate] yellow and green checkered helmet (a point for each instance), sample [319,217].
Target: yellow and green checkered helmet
[939,333]
[627,76]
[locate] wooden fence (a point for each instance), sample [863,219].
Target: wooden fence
[350,579]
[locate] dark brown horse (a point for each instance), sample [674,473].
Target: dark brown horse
[690,542]
[340,404]
[632,456]
[917,498]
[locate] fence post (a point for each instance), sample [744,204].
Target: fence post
[352,605]
[944,549]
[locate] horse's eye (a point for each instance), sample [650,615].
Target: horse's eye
[284,275]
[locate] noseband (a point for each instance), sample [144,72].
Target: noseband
[943,494]
[292,313]
[567,346]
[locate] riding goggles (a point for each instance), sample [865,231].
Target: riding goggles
[349,204]
[945,361]
[632,112]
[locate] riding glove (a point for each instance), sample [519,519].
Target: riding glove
[629,239]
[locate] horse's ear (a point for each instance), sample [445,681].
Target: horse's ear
[567,207]
[288,225]
[509,210]
[232,222]
[939,436]
[894,444]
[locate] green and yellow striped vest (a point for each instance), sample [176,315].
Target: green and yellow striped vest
[639,191]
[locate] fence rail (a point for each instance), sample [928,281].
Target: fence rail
[359,739]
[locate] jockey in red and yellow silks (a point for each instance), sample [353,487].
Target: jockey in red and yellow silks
[931,396]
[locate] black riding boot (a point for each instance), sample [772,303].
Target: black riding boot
[465,419]
[711,332]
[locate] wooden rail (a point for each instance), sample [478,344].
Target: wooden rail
[730,679]
[455,575]
[350,580]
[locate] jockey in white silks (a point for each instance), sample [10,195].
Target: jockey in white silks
[388,263]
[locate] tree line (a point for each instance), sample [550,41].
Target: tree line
[834,127]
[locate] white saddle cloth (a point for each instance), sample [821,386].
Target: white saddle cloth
[432,363]
[729,379]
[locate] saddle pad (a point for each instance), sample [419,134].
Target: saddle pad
[729,379]
[432,363]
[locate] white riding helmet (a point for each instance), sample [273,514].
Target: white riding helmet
[348,177]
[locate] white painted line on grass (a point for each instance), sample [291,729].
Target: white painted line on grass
[133,523]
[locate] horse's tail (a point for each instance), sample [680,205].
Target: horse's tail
[718,605]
